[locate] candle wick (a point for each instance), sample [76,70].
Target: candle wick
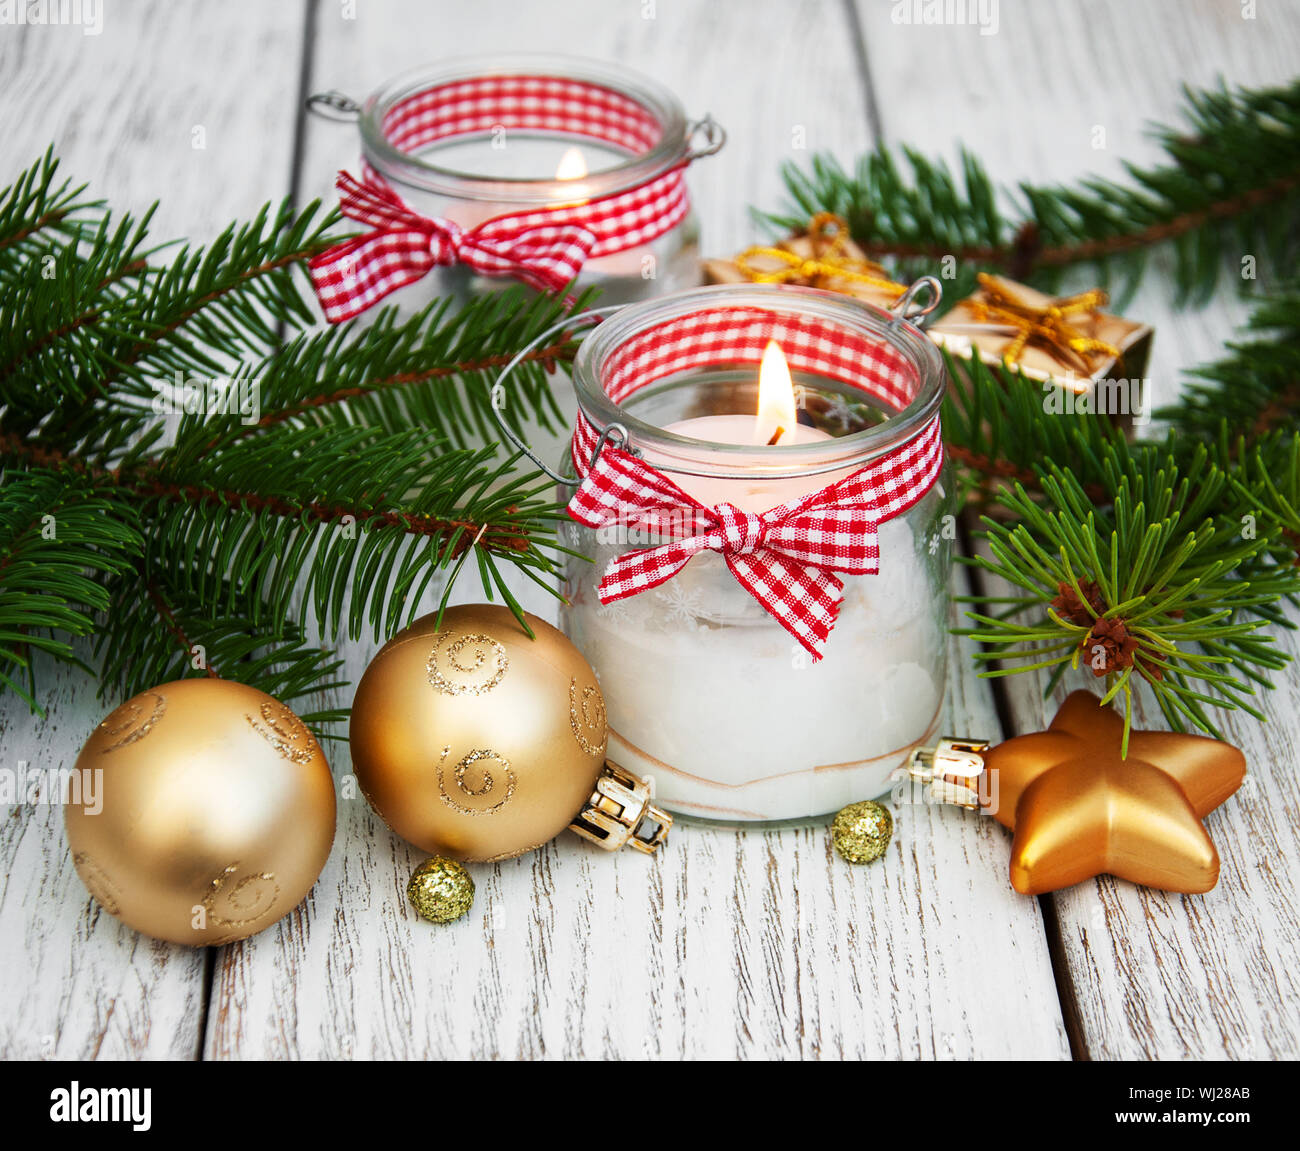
[776,435]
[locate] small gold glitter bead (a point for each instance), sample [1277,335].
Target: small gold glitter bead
[861,831]
[440,890]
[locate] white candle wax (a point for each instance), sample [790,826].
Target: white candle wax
[751,495]
[707,694]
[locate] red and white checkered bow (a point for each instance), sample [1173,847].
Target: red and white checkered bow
[786,557]
[404,246]
[544,246]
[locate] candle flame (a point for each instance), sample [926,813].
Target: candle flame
[776,409]
[572,166]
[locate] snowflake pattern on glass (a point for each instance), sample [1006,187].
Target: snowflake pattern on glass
[682,604]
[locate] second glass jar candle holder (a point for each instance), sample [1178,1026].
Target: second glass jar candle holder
[706,692]
[475,139]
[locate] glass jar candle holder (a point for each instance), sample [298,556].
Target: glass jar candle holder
[735,716]
[476,140]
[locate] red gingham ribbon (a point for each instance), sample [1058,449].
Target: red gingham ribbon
[352,276]
[785,557]
[545,247]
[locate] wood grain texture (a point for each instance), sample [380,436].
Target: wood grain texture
[1148,974]
[121,109]
[749,945]
[730,945]
[190,104]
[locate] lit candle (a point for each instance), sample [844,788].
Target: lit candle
[621,276]
[621,265]
[572,166]
[503,137]
[776,423]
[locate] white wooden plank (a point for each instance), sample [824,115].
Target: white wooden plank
[729,944]
[121,109]
[1150,975]
[191,104]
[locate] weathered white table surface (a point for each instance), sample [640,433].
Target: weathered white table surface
[742,945]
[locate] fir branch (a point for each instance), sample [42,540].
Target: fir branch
[1268,484]
[177,632]
[1256,389]
[65,298]
[223,300]
[314,509]
[1000,425]
[230,294]
[354,520]
[436,369]
[266,505]
[1231,175]
[136,653]
[58,539]
[1150,589]
[93,320]
[34,204]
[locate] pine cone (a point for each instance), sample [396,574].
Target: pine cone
[1118,646]
[1070,607]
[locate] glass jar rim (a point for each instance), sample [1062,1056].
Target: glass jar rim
[394,164]
[707,457]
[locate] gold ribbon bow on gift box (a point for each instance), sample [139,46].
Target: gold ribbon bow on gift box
[829,259]
[1047,326]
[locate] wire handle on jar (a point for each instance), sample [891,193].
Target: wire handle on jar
[615,431]
[335,106]
[714,134]
[902,308]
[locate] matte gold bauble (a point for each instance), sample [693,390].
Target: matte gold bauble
[474,741]
[204,813]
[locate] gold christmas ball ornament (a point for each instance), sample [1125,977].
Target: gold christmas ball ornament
[200,812]
[861,831]
[440,890]
[476,742]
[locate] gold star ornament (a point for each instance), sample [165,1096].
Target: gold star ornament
[1079,809]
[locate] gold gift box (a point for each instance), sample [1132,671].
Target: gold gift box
[823,257]
[1062,339]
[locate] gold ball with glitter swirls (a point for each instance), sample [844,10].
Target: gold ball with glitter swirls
[440,890]
[861,831]
[200,811]
[472,740]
